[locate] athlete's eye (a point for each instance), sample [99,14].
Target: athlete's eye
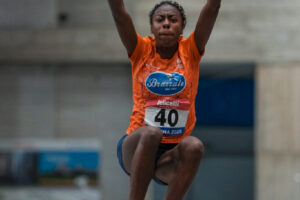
[174,20]
[158,19]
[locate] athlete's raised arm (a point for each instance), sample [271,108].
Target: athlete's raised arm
[206,23]
[124,24]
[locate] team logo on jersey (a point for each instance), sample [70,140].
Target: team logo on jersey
[162,83]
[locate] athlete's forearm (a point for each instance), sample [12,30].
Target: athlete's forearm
[214,4]
[206,21]
[124,24]
[117,7]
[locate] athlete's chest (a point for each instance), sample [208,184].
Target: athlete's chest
[159,77]
[165,91]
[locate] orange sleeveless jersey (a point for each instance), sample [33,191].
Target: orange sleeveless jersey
[164,90]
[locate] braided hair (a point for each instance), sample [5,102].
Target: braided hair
[171,3]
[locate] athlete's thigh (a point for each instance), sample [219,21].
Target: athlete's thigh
[166,164]
[129,146]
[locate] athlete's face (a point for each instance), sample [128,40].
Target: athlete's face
[166,25]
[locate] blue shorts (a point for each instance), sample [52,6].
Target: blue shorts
[161,149]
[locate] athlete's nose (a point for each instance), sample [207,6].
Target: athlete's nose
[166,23]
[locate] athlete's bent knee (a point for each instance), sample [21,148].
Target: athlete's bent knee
[151,133]
[197,148]
[193,148]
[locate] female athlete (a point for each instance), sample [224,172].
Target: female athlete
[165,72]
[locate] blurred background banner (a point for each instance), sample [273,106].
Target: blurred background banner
[67,167]
[65,74]
[53,163]
[40,164]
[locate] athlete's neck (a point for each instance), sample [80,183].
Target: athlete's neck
[166,52]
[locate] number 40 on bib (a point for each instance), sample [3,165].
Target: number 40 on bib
[168,114]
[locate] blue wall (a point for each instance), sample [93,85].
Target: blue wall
[225,102]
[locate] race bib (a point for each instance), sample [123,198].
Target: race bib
[168,114]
